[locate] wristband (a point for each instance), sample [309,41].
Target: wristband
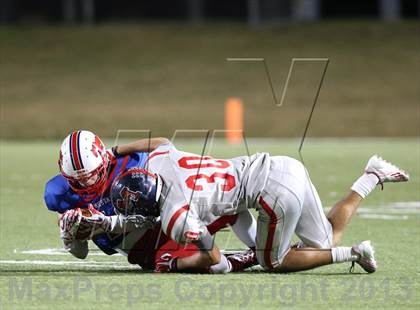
[174,264]
[114,151]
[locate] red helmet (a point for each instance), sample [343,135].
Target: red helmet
[84,163]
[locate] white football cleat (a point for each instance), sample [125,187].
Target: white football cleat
[385,171]
[365,254]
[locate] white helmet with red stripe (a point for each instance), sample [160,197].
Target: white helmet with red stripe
[84,162]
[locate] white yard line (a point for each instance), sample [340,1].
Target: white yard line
[94,264]
[58,252]
[394,209]
[406,204]
[387,211]
[375,216]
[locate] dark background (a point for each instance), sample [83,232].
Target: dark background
[105,65]
[105,10]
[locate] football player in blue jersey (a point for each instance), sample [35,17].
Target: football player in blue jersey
[87,170]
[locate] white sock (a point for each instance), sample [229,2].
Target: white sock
[223,267]
[365,184]
[342,254]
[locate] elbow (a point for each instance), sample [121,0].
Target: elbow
[82,256]
[215,261]
[79,255]
[156,142]
[208,260]
[162,140]
[79,249]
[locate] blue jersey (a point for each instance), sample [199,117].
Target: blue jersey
[60,197]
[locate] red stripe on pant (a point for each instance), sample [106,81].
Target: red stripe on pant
[271,231]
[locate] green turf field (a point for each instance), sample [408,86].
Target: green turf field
[391,219]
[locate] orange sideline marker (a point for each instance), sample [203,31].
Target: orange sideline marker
[234,120]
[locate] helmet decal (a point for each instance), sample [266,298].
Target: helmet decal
[76,158]
[126,195]
[97,146]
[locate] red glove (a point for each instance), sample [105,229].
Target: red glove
[166,263]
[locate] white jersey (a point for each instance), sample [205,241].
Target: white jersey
[198,190]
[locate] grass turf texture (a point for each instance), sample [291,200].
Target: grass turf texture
[167,76]
[25,224]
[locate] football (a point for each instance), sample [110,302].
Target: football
[84,229]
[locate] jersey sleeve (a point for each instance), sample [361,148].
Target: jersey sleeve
[58,197]
[183,225]
[165,147]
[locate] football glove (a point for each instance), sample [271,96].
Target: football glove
[166,263]
[90,221]
[68,223]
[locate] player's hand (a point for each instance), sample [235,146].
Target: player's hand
[68,223]
[166,263]
[92,220]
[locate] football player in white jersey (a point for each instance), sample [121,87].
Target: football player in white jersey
[191,191]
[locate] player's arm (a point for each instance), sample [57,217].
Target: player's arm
[79,248]
[207,256]
[186,228]
[120,224]
[68,222]
[143,145]
[77,226]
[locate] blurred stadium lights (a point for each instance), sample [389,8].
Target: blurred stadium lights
[256,12]
[390,9]
[195,10]
[306,10]
[71,12]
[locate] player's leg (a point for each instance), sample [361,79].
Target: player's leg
[320,231]
[281,213]
[278,213]
[299,259]
[245,228]
[309,258]
[342,212]
[314,228]
[377,171]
